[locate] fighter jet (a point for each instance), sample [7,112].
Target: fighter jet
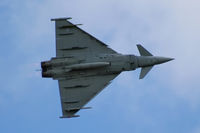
[84,66]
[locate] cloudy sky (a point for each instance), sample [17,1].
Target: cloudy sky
[167,100]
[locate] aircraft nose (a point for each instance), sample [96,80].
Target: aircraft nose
[160,60]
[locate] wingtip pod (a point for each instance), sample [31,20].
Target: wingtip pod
[73,116]
[60,19]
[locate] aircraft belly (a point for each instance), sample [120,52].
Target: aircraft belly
[86,73]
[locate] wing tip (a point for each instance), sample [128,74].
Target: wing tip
[61,19]
[71,116]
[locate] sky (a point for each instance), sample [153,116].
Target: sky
[167,100]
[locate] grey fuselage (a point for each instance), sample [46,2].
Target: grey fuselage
[72,67]
[84,65]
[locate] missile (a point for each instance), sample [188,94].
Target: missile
[87,65]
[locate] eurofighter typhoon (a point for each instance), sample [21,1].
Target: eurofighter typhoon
[84,65]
